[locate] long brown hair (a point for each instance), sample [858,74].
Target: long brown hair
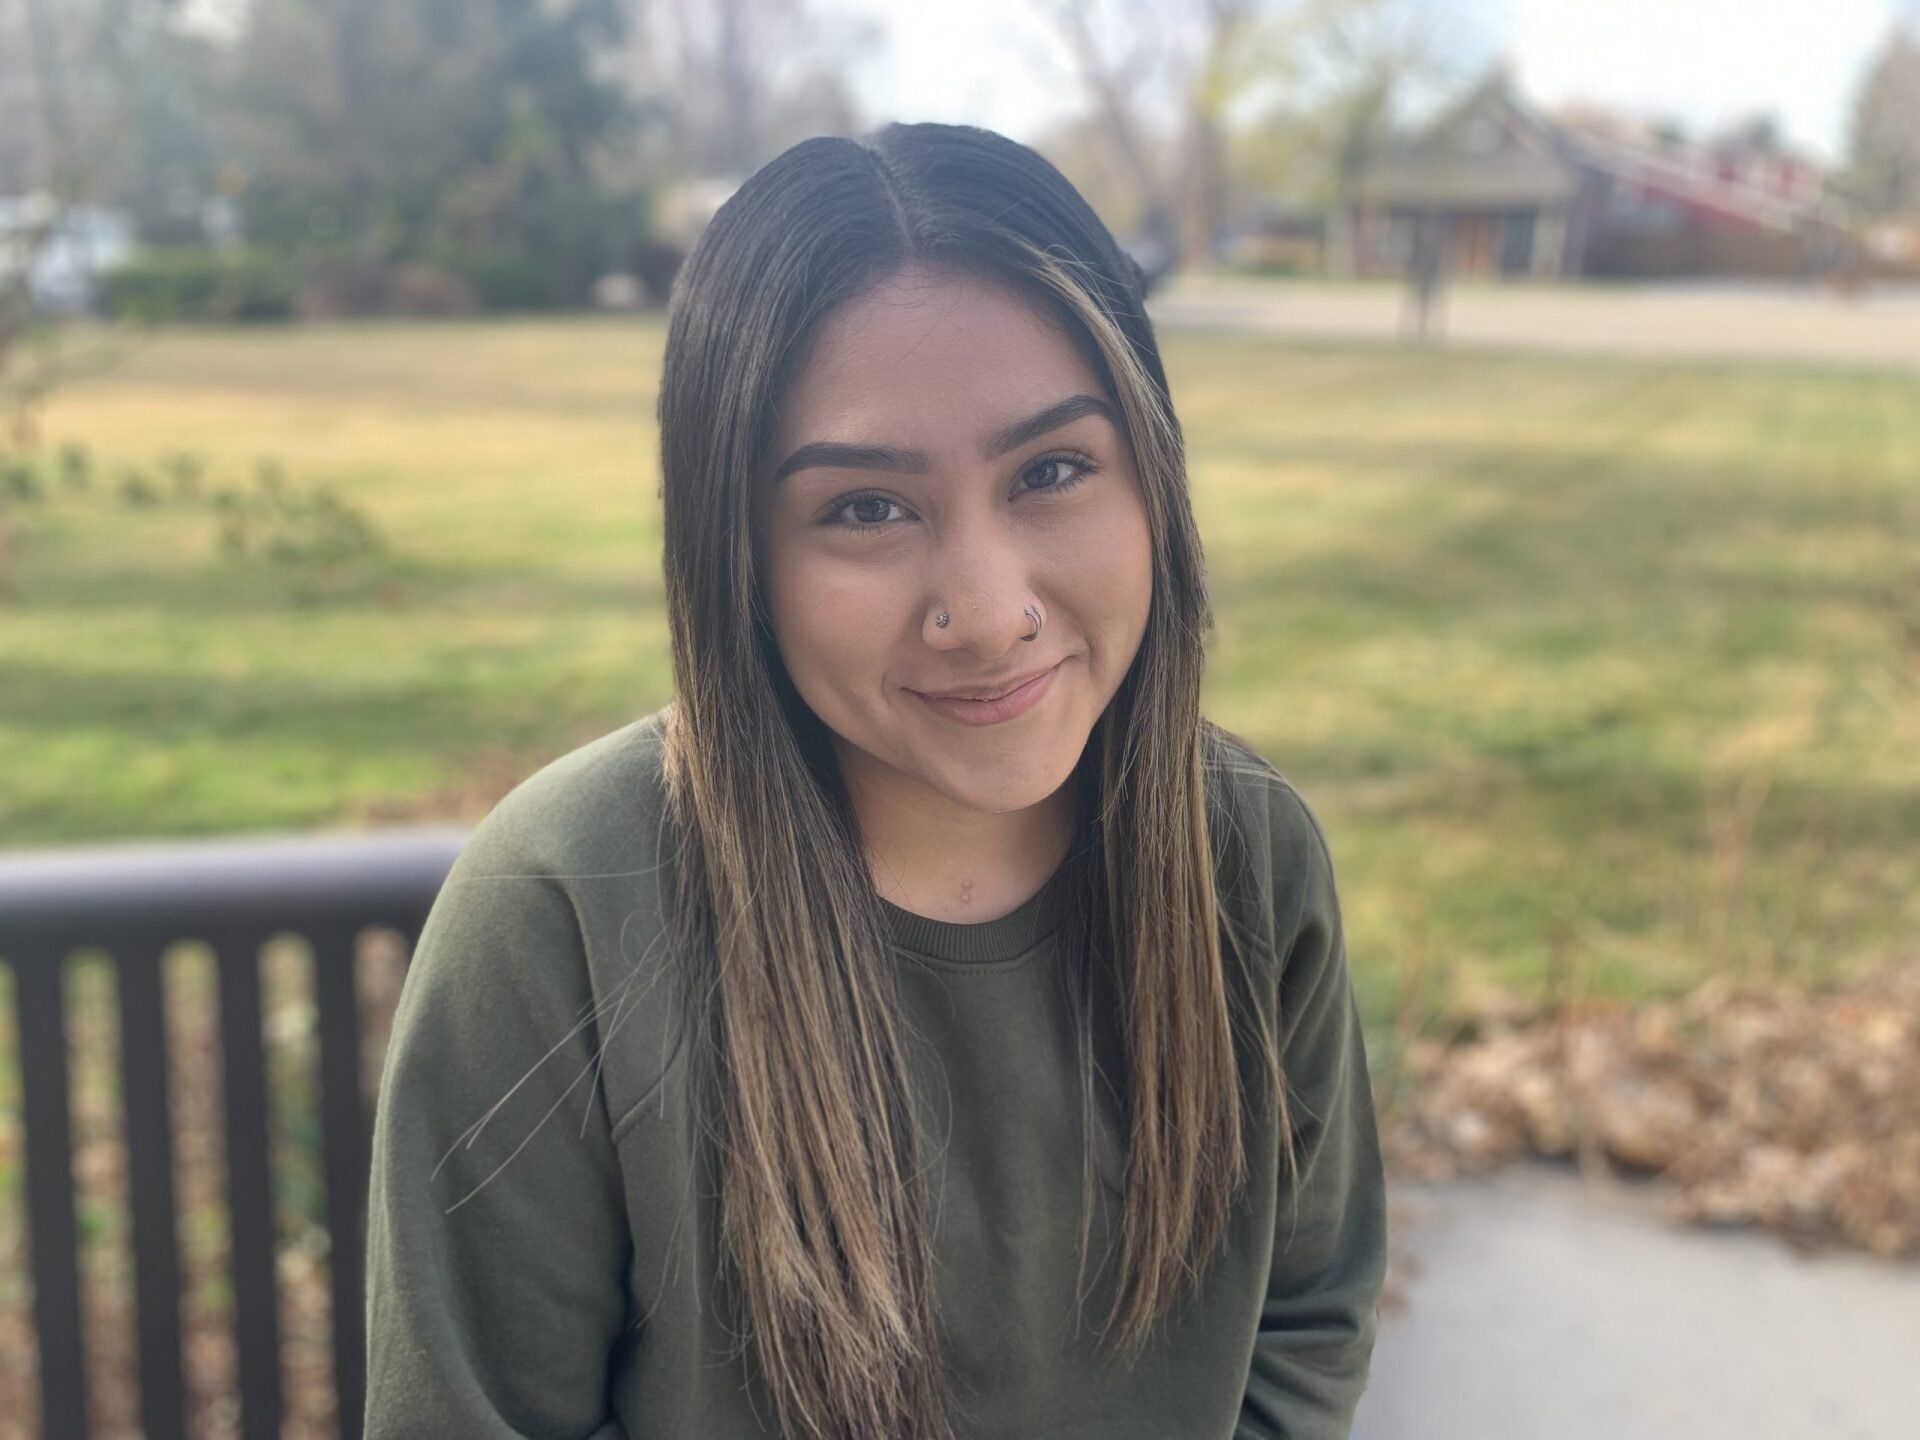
[799,1059]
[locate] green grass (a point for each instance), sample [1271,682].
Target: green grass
[1598,673]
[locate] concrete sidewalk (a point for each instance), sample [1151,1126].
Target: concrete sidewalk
[1540,1307]
[1698,321]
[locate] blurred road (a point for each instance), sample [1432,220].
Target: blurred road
[1542,1308]
[1706,320]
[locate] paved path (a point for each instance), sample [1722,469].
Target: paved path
[1542,1308]
[1879,329]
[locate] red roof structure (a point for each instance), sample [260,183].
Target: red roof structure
[1520,193]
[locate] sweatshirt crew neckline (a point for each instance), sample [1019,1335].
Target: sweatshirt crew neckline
[1010,937]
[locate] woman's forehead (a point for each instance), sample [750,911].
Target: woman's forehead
[937,352]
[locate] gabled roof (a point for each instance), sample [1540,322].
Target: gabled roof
[1515,159]
[1539,161]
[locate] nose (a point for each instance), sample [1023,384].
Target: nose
[982,580]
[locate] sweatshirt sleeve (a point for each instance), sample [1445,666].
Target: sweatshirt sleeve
[1315,1340]
[497,1244]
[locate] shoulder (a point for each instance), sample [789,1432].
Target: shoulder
[567,863]
[552,906]
[1264,823]
[592,807]
[1276,878]
[1240,778]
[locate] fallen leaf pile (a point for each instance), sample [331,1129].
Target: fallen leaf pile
[1797,1113]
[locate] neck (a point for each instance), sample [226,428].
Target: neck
[946,861]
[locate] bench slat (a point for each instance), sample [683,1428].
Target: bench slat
[149,1130]
[40,1022]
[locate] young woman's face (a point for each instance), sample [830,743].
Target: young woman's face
[913,472]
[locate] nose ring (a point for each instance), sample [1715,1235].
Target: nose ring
[1032,612]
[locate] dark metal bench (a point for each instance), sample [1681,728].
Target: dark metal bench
[133,901]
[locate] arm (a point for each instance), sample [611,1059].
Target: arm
[1315,1341]
[495,1286]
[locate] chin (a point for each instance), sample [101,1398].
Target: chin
[993,790]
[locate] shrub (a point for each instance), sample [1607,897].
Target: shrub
[201,284]
[506,279]
[353,285]
[318,544]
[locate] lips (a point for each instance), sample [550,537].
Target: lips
[1006,687]
[1009,705]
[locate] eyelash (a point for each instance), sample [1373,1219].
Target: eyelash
[835,518]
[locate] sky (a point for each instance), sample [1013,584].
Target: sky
[1705,62]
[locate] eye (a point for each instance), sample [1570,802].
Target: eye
[864,511]
[1079,466]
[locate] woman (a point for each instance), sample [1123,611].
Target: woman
[809,1058]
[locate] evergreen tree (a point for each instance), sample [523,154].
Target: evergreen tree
[479,134]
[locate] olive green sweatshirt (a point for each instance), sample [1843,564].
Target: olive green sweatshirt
[543,1237]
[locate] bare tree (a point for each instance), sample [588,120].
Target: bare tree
[62,77]
[71,96]
[1187,90]
[1238,47]
[1118,55]
[737,81]
[49,171]
[1366,55]
[1883,149]
[1165,84]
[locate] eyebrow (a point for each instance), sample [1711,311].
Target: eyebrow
[838,456]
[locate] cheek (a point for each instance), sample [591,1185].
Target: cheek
[1113,567]
[827,619]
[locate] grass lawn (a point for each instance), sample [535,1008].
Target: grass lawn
[1599,674]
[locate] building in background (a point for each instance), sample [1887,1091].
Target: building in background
[62,270]
[1520,194]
